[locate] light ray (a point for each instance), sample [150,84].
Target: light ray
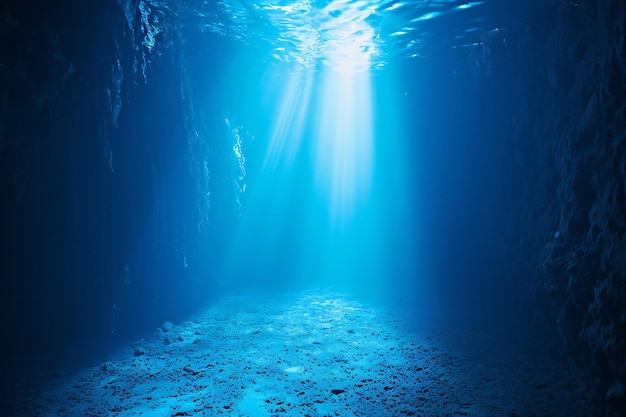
[290,119]
[343,158]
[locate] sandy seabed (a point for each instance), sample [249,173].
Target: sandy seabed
[314,354]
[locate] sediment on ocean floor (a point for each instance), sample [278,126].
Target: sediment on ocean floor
[316,353]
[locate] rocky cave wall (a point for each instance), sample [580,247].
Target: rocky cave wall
[568,231]
[114,180]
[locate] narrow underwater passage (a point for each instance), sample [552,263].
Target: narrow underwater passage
[312,208]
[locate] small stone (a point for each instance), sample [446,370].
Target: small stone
[337,391]
[166,341]
[167,326]
[138,352]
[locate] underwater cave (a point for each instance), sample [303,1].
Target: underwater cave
[313,208]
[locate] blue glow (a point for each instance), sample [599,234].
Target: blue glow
[343,157]
[427,16]
[326,201]
[290,119]
[469,5]
[333,105]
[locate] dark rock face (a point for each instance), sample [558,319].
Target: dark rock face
[104,205]
[571,218]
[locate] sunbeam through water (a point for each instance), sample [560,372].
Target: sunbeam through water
[263,208]
[336,40]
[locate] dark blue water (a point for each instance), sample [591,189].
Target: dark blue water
[373,187]
[273,145]
[185,149]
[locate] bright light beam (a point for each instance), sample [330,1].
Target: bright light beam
[316,213]
[329,98]
[343,158]
[290,119]
[343,161]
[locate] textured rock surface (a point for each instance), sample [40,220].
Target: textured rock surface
[89,153]
[571,161]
